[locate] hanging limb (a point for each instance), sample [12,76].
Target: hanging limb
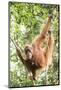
[19,51]
[48,53]
[47,26]
[40,39]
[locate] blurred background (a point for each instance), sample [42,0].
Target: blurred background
[26,22]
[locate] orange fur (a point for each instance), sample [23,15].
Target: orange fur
[40,56]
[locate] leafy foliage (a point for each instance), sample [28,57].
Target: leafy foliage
[26,22]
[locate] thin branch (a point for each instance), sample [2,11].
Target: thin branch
[46,75]
[19,51]
[16,45]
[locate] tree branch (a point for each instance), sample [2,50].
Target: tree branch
[19,51]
